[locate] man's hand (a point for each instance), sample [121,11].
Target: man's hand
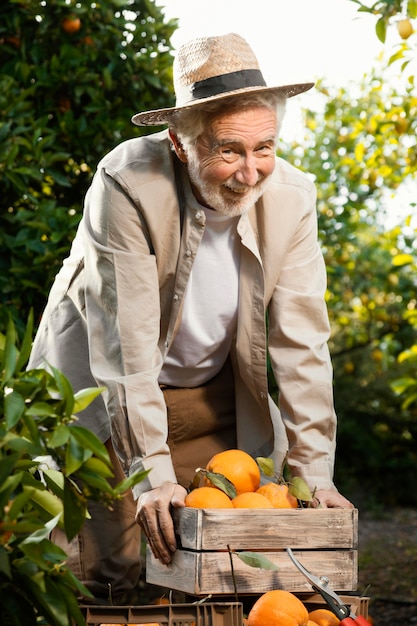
[331,499]
[153,514]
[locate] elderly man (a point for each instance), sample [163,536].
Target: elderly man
[196,259]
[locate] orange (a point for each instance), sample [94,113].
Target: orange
[323,617]
[208,498]
[251,500]
[237,466]
[71,24]
[278,495]
[278,608]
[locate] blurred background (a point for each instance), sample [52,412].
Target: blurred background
[73,73]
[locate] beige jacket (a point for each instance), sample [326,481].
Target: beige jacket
[115,307]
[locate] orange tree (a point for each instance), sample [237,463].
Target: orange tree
[361,151]
[71,76]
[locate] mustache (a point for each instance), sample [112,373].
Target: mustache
[233,185]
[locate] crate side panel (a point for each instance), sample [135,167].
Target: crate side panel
[204,529]
[201,573]
[209,614]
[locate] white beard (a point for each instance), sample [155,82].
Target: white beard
[230,198]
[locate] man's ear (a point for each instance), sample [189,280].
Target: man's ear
[179,150]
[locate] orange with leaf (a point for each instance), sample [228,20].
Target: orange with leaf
[238,467]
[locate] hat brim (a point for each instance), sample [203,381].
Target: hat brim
[162,116]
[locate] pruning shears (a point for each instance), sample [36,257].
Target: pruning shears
[334,602]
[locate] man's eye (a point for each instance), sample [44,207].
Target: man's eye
[265,149]
[229,155]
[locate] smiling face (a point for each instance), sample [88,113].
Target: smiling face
[232,160]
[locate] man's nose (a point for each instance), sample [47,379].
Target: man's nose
[247,172]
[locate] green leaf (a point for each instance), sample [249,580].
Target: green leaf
[254,559]
[65,389]
[266,465]
[42,533]
[46,500]
[60,436]
[75,455]
[85,397]
[90,441]
[222,483]
[130,482]
[14,407]
[26,346]
[381,29]
[55,481]
[300,490]
[75,510]
[18,502]
[94,480]
[95,465]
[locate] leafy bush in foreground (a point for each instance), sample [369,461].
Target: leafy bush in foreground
[37,422]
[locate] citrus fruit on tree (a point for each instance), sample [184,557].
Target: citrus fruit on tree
[71,24]
[208,498]
[251,500]
[237,466]
[278,608]
[278,495]
[323,617]
[405,28]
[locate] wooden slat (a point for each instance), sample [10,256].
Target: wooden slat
[202,573]
[215,529]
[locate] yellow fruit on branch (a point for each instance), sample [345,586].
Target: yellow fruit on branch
[405,28]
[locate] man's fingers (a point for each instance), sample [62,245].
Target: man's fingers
[154,517]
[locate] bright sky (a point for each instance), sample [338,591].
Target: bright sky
[294,40]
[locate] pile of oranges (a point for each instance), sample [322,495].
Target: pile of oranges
[243,472]
[282,608]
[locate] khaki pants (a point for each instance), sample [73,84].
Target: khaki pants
[105,555]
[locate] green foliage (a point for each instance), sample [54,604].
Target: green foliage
[66,98]
[38,424]
[361,151]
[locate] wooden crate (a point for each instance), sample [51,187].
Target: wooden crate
[324,540]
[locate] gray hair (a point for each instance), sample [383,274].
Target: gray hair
[189,124]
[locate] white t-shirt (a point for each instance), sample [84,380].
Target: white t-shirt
[209,317]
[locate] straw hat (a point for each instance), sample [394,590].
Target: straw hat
[214,68]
